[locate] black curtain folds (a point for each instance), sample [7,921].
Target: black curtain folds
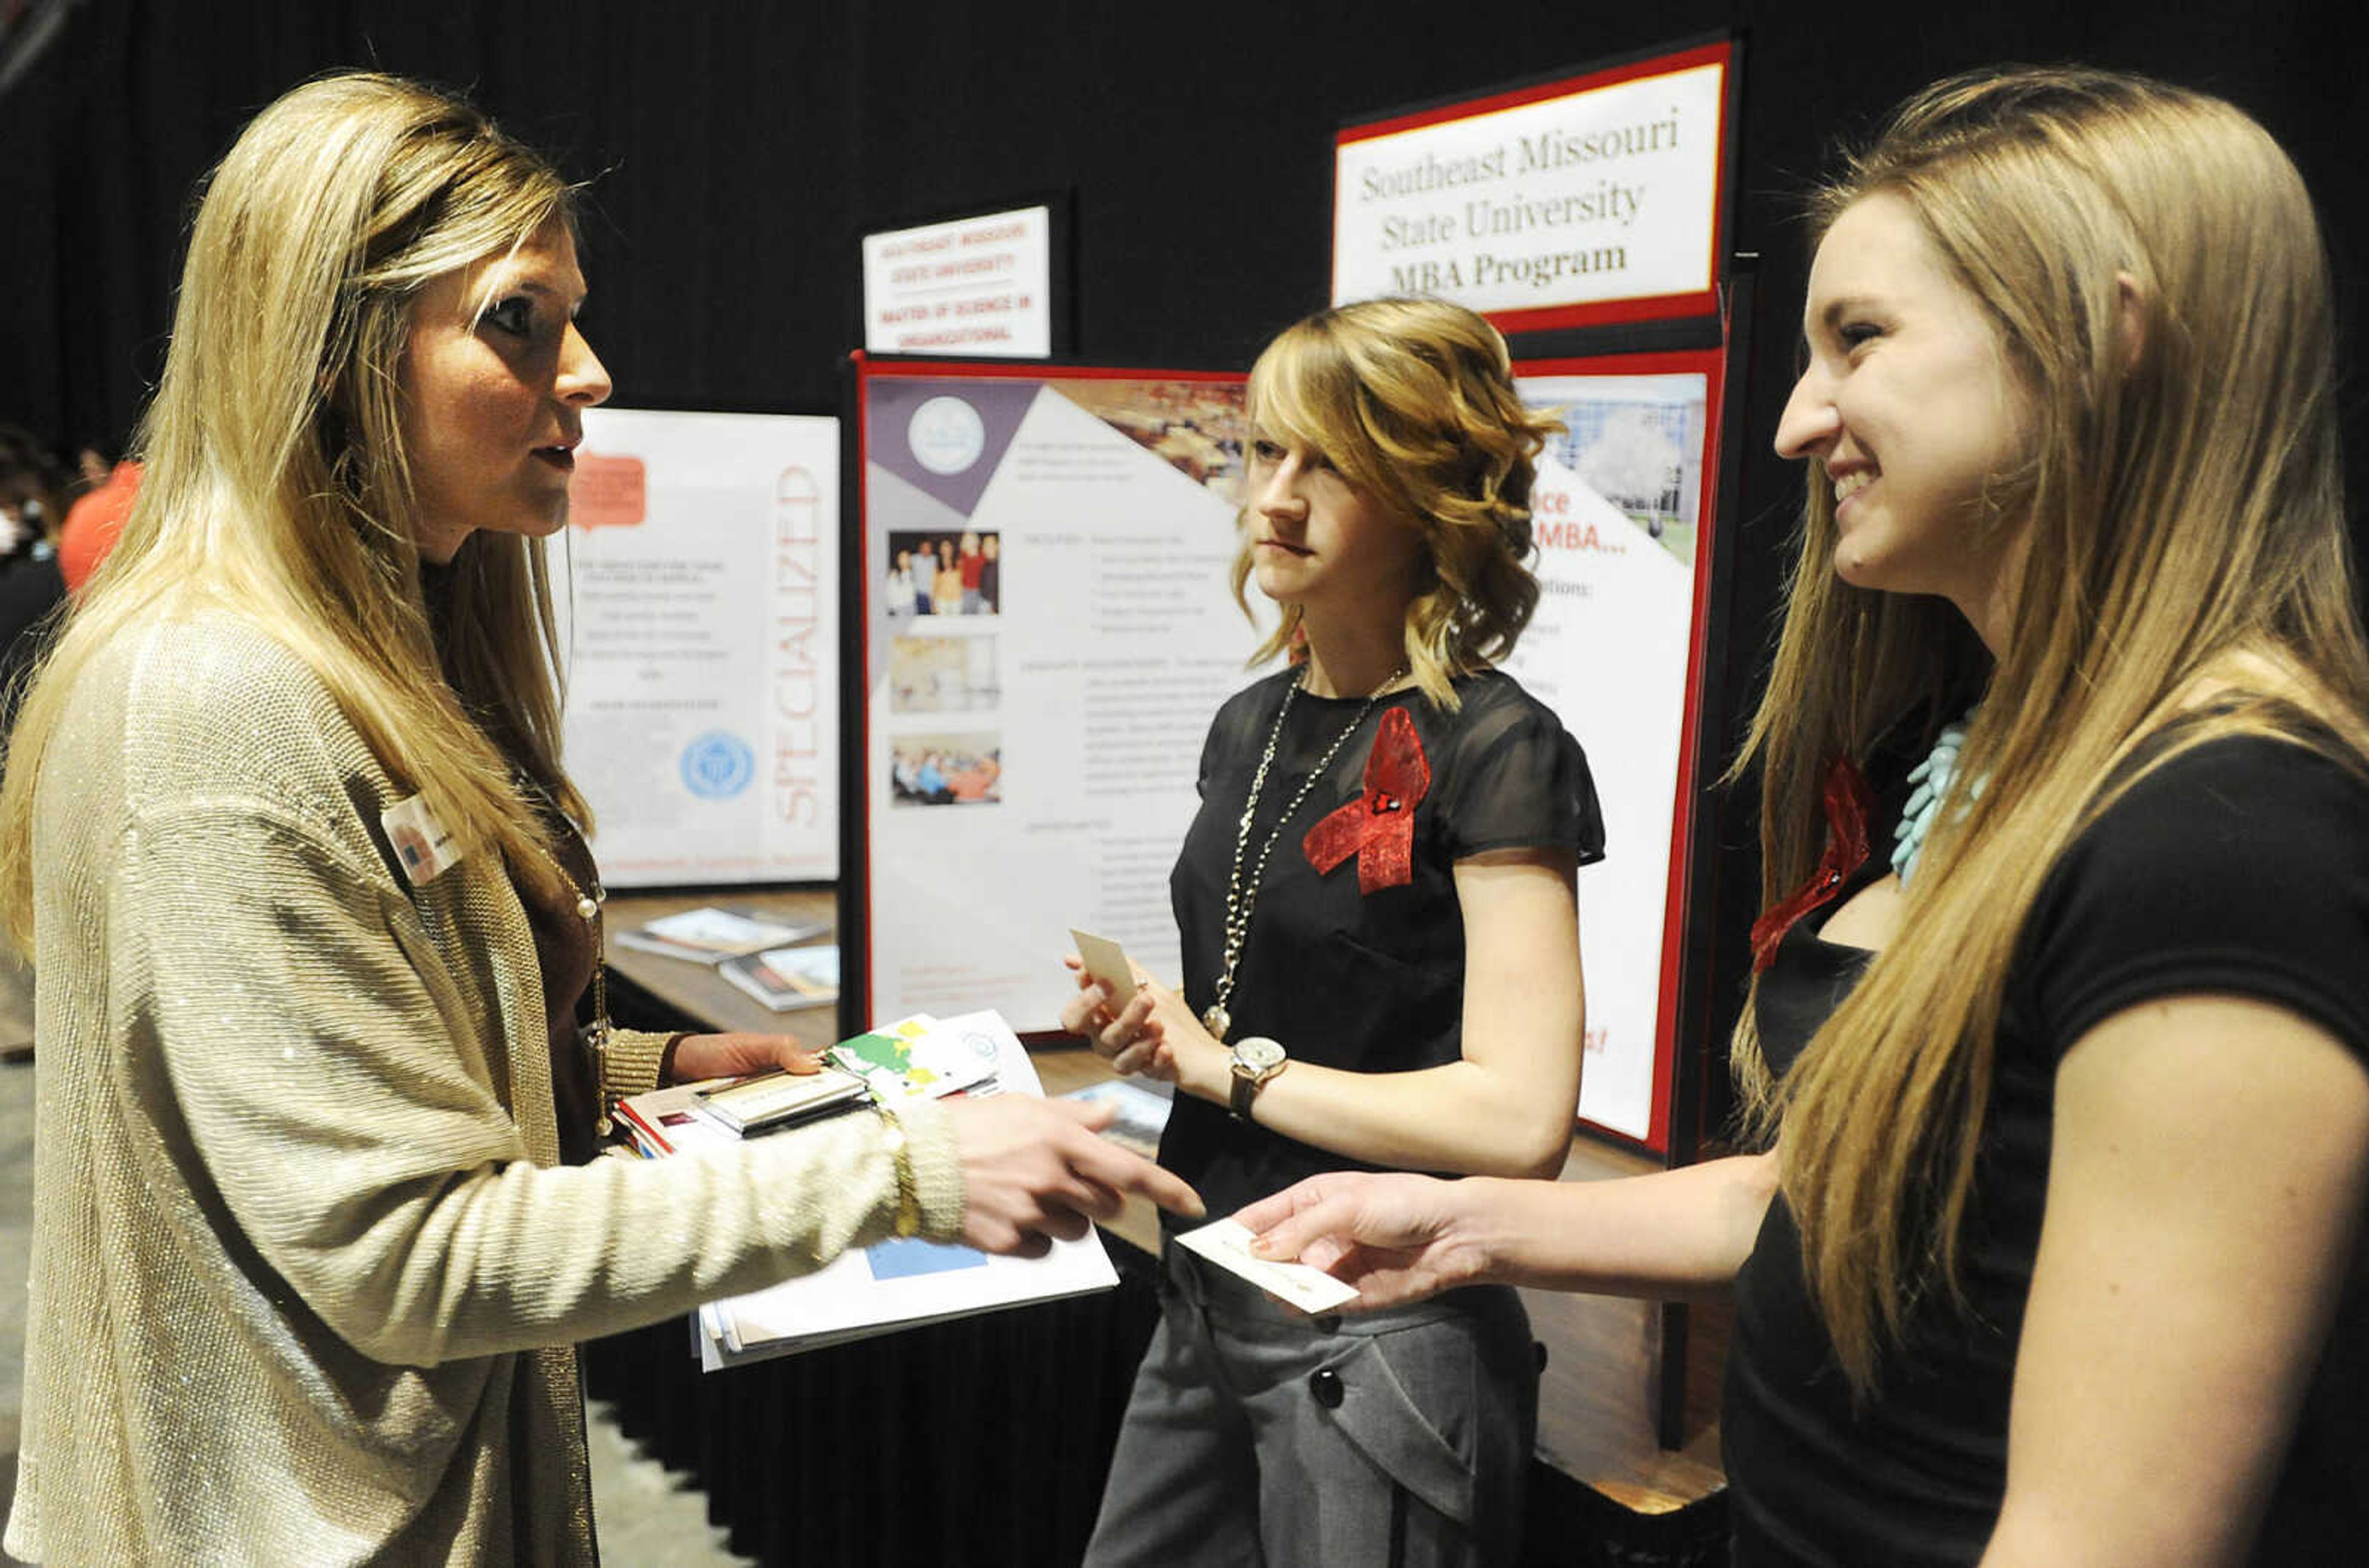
[735,155]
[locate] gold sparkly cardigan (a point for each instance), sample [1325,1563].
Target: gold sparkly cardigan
[305,1267]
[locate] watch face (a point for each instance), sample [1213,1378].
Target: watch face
[1259,1054]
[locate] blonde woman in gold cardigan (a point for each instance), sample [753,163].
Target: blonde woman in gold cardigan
[285,828]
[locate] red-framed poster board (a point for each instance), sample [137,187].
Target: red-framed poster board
[1592,198]
[1623,515]
[1025,735]
[1025,745]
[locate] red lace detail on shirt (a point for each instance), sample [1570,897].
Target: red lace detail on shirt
[1379,826]
[1850,801]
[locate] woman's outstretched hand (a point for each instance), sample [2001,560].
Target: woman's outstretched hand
[701,1057]
[1396,1238]
[1034,1170]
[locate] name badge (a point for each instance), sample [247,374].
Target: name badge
[421,843]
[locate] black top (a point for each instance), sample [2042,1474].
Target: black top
[2240,867]
[1373,981]
[564,949]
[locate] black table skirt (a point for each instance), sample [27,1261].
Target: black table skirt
[984,1441]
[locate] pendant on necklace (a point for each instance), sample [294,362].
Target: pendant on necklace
[1216,1020]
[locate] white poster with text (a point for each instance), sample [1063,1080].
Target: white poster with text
[1047,629]
[699,598]
[1621,516]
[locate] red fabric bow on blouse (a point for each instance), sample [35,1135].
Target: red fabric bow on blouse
[1849,802]
[1379,826]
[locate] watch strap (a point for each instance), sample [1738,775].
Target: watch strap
[1245,1089]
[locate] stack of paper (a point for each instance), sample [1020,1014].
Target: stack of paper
[894,1285]
[669,1120]
[710,935]
[787,978]
[772,1101]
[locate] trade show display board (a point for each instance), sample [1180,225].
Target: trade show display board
[698,602]
[1044,628]
[1622,514]
[1047,629]
[1592,198]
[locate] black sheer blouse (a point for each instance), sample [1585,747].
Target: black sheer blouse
[1373,981]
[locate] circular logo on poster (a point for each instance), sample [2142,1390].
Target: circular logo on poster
[947,435]
[717,765]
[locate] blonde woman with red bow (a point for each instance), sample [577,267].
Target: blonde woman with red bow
[1381,962]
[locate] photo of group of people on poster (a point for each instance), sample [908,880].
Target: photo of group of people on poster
[941,665]
[944,575]
[945,769]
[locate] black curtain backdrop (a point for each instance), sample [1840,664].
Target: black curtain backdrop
[736,153]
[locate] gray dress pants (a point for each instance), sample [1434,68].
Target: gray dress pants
[1258,1435]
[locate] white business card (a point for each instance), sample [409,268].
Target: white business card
[1106,961]
[1228,1245]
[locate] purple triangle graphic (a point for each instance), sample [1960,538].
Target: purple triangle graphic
[995,409]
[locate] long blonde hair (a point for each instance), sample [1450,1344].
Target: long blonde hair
[1413,401]
[2153,268]
[277,486]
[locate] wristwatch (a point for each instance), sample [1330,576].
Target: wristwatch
[1256,1058]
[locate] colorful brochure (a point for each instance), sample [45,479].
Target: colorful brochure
[924,1056]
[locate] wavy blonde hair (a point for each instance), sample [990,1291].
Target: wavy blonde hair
[277,486]
[1413,401]
[2152,265]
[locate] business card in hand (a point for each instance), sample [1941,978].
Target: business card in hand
[1106,961]
[1228,1245]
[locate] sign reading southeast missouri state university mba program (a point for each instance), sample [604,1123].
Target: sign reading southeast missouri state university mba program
[979,286]
[1046,630]
[1595,199]
[1622,512]
[701,629]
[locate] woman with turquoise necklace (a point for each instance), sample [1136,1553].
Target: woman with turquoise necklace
[2054,1256]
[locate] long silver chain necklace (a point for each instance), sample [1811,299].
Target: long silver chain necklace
[1241,897]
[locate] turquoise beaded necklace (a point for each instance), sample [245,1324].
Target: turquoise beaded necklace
[1932,777]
